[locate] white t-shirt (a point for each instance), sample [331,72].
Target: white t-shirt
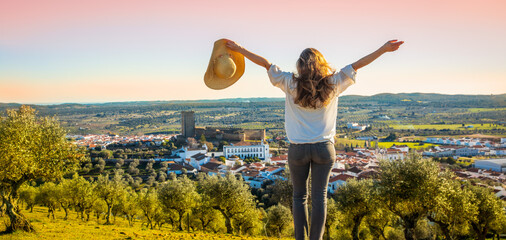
[306,125]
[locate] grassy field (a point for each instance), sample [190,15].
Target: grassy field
[361,143]
[48,228]
[485,109]
[350,142]
[486,126]
[409,144]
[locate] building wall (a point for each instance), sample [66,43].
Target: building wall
[188,123]
[260,151]
[489,166]
[254,134]
[231,134]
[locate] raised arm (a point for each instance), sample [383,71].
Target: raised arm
[249,55]
[389,46]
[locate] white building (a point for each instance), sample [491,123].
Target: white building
[497,165]
[356,126]
[197,160]
[248,149]
[336,181]
[466,151]
[391,154]
[498,151]
[187,152]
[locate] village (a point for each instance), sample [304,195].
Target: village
[248,154]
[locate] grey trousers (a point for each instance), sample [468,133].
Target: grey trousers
[319,158]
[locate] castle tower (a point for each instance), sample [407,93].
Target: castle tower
[188,123]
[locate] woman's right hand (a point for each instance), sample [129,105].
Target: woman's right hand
[391,45]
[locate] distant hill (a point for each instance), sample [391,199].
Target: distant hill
[431,99]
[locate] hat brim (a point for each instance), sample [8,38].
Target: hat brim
[211,79]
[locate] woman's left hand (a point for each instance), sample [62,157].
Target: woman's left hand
[234,46]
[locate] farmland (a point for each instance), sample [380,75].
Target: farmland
[406,115]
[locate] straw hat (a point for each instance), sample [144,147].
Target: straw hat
[225,66]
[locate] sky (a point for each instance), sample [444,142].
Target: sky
[57,51]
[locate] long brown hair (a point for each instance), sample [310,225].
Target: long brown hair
[314,88]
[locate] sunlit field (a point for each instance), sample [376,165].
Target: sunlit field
[361,143]
[74,228]
[484,126]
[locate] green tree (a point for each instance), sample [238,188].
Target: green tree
[379,220]
[31,148]
[282,190]
[333,218]
[105,154]
[81,192]
[279,220]
[355,199]
[111,191]
[221,190]
[129,206]
[98,208]
[490,211]
[204,214]
[454,208]
[248,222]
[408,188]
[391,137]
[179,195]
[65,199]
[149,205]
[48,197]
[27,194]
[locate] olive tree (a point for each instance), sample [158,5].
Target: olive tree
[408,188]
[31,148]
[221,190]
[490,211]
[203,214]
[355,200]
[148,203]
[111,191]
[279,220]
[48,196]
[28,194]
[454,208]
[179,195]
[81,192]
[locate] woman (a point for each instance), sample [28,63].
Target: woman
[310,123]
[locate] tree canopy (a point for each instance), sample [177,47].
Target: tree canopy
[31,148]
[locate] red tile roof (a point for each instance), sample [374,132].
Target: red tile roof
[342,177]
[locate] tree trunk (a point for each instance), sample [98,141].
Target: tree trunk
[17,220]
[180,222]
[356,224]
[409,229]
[480,233]
[383,234]
[108,216]
[445,228]
[228,222]
[66,213]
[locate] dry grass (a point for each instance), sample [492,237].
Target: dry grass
[48,228]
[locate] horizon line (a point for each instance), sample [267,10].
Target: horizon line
[220,99]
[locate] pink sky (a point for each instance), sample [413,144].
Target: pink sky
[92,51]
